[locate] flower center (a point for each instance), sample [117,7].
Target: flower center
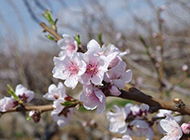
[91,69]
[71,48]
[23,97]
[73,69]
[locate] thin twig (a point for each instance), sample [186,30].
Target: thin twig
[51,31]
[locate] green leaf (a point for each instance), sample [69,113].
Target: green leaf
[67,103]
[143,41]
[12,92]
[55,21]
[49,18]
[77,38]
[100,39]
[50,37]
[28,118]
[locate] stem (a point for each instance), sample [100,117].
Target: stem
[51,31]
[41,108]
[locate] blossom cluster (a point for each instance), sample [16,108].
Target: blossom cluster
[23,95]
[100,70]
[60,114]
[133,121]
[129,121]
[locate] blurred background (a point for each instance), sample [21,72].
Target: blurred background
[26,55]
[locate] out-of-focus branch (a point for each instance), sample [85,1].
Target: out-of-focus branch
[51,31]
[166,83]
[154,103]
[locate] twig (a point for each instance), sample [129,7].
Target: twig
[133,94]
[41,108]
[51,31]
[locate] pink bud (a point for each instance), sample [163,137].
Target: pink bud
[155,35]
[84,124]
[35,116]
[163,7]
[31,113]
[185,67]
[186,128]
[92,122]
[158,48]
[139,80]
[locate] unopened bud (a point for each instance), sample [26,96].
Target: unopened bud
[157,65]
[163,38]
[163,7]
[92,122]
[178,102]
[185,128]
[185,67]
[139,80]
[158,48]
[35,116]
[155,35]
[84,124]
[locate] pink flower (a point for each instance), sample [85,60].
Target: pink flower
[186,128]
[62,118]
[142,129]
[163,112]
[114,90]
[185,67]
[113,54]
[23,93]
[6,103]
[57,105]
[92,98]
[69,69]
[55,93]
[68,44]
[136,110]
[125,137]
[117,120]
[35,115]
[96,66]
[172,129]
[118,76]
[94,48]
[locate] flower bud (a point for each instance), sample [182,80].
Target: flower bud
[35,116]
[186,128]
[185,67]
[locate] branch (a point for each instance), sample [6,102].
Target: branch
[21,108]
[155,104]
[133,94]
[51,31]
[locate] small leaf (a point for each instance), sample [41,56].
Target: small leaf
[28,118]
[69,103]
[50,37]
[55,21]
[77,38]
[49,18]
[12,92]
[100,39]
[143,41]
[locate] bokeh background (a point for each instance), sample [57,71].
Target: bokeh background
[26,55]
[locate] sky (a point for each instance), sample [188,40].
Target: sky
[69,12]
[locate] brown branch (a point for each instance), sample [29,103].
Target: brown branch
[51,31]
[41,108]
[155,104]
[133,94]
